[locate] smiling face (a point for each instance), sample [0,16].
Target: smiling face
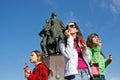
[95,39]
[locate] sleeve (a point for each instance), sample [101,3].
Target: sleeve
[40,73]
[86,55]
[31,77]
[90,52]
[107,62]
[67,50]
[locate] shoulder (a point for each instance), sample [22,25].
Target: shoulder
[42,66]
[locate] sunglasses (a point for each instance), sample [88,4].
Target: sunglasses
[72,26]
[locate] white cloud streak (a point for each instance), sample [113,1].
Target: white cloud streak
[112,5]
[70,16]
[115,6]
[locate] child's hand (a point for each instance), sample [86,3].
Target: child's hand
[26,71]
[67,33]
[110,58]
[26,68]
[83,45]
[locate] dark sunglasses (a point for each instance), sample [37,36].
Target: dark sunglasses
[72,26]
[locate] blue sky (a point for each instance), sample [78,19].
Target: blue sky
[21,21]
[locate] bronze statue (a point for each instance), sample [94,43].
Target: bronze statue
[52,33]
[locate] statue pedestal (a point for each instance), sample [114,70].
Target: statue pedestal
[56,64]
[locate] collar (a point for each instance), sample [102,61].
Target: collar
[37,63]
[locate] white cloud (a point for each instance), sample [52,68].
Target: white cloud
[70,16]
[98,5]
[115,6]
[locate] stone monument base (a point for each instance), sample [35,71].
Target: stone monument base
[56,63]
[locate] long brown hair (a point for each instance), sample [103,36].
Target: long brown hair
[90,43]
[89,40]
[78,34]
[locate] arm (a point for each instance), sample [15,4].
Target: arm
[67,50]
[41,72]
[31,77]
[84,50]
[86,55]
[40,75]
[108,61]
